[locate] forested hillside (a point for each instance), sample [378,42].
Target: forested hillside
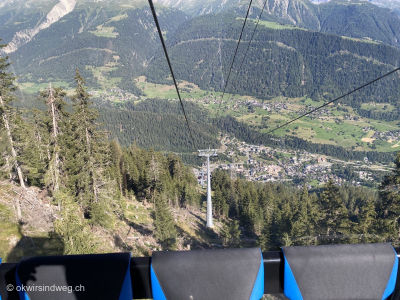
[361,20]
[157,130]
[280,215]
[153,123]
[288,62]
[112,42]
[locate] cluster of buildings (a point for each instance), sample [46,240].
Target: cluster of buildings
[114,94]
[265,164]
[390,136]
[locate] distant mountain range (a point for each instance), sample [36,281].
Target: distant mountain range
[392,4]
[353,18]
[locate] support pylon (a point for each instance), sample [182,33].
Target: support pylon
[208,153]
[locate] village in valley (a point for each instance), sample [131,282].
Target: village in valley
[266,164]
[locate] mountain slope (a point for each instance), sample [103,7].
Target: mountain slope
[112,42]
[289,62]
[104,42]
[358,19]
[392,4]
[149,127]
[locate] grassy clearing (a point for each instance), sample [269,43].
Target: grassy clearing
[187,90]
[381,107]
[119,17]
[139,214]
[100,73]
[364,40]
[103,31]
[274,25]
[334,130]
[34,88]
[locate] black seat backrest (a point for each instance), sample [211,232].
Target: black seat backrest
[75,277]
[340,272]
[234,274]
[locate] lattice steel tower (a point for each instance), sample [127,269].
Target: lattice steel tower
[208,152]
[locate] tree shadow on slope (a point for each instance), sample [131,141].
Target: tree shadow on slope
[139,228]
[29,246]
[205,238]
[190,242]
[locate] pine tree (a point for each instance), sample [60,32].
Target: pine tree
[165,230]
[56,119]
[304,220]
[176,167]
[300,222]
[334,223]
[78,162]
[220,206]
[389,206]
[118,165]
[6,112]
[87,162]
[367,222]
[230,234]
[83,143]
[33,141]
[267,206]
[264,239]
[73,228]
[286,240]
[153,173]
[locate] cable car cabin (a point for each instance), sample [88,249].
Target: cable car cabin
[333,272]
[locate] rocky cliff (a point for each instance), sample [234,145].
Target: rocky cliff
[61,9]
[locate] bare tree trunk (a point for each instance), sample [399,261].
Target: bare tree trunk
[54,115]
[48,152]
[92,172]
[13,152]
[39,143]
[53,112]
[56,171]
[8,166]
[88,141]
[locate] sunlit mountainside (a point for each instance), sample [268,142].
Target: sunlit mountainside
[96,155]
[392,4]
[302,55]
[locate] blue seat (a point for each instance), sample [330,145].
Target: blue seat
[75,277]
[340,272]
[0,264]
[235,274]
